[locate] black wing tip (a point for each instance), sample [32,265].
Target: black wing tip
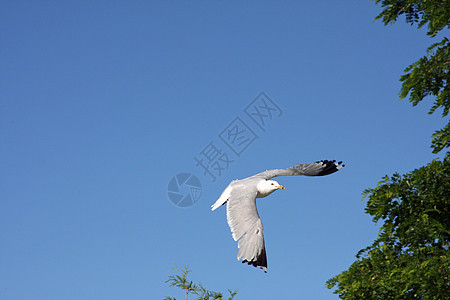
[260,261]
[330,166]
[256,265]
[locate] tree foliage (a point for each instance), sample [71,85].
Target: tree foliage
[181,281]
[428,76]
[433,13]
[409,259]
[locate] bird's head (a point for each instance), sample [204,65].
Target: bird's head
[274,185]
[267,187]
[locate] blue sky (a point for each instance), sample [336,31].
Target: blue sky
[103,102]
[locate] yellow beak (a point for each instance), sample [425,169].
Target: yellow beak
[281,187]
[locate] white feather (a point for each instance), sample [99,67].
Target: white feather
[223,198]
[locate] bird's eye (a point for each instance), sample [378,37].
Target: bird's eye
[272,183]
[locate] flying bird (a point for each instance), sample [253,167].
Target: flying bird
[242,214]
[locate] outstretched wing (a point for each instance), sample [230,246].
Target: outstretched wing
[320,168]
[246,226]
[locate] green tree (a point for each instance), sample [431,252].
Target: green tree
[181,281]
[429,75]
[409,259]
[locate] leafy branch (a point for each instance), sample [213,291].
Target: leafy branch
[429,76]
[189,287]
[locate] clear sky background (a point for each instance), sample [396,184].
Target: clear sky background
[103,102]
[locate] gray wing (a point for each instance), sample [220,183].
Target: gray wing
[319,168]
[245,224]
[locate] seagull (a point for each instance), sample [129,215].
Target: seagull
[242,214]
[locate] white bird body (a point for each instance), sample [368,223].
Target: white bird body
[242,214]
[264,189]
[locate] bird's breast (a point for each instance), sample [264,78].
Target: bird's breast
[262,194]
